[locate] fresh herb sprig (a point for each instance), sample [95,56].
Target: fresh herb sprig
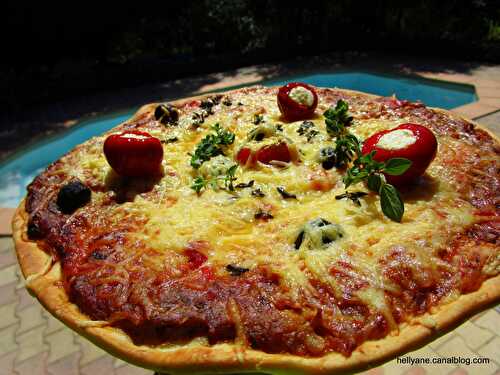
[365,168]
[211,145]
[337,121]
[346,147]
[227,180]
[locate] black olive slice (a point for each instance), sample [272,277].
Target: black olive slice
[73,195]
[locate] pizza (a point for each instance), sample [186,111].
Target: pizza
[300,229]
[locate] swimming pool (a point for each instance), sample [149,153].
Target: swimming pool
[20,169]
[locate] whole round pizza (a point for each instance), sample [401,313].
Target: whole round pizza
[299,229]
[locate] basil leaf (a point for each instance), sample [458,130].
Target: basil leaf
[396,166]
[375,182]
[391,202]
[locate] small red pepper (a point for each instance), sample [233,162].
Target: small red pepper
[293,110]
[278,152]
[243,155]
[421,152]
[265,154]
[134,153]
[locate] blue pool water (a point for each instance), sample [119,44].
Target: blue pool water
[18,171]
[433,93]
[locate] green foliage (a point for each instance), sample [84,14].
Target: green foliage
[211,145]
[493,31]
[365,168]
[337,119]
[396,166]
[200,183]
[211,27]
[391,202]
[346,144]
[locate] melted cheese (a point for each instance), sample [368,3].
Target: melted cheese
[301,95]
[177,215]
[397,139]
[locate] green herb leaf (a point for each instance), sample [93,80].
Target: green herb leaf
[353,176]
[345,148]
[365,167]
[210,146]
[198,184]
[346,145]
[375,182]
[396,166]
[223,136]
[337,119]
[391,202]
[257,118]
[229,178]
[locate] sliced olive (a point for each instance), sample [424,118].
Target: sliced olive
[327,157]
[308,129]
[170,140]
[257,119]
[258,193]
[261,132]
[73,195]
[263,215]
[319,222]
[243,185]
[259,137]
[305,127]
[98,255]
[235,270]
[354,196]
[167,114]
[299,240]
[199,118]
[208,106]
[34,231]
[318,233]
[285,194]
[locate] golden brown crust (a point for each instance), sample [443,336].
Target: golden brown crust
[44,281]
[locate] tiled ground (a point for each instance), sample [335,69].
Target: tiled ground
[32,342]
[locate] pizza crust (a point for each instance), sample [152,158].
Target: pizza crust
[43,281]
